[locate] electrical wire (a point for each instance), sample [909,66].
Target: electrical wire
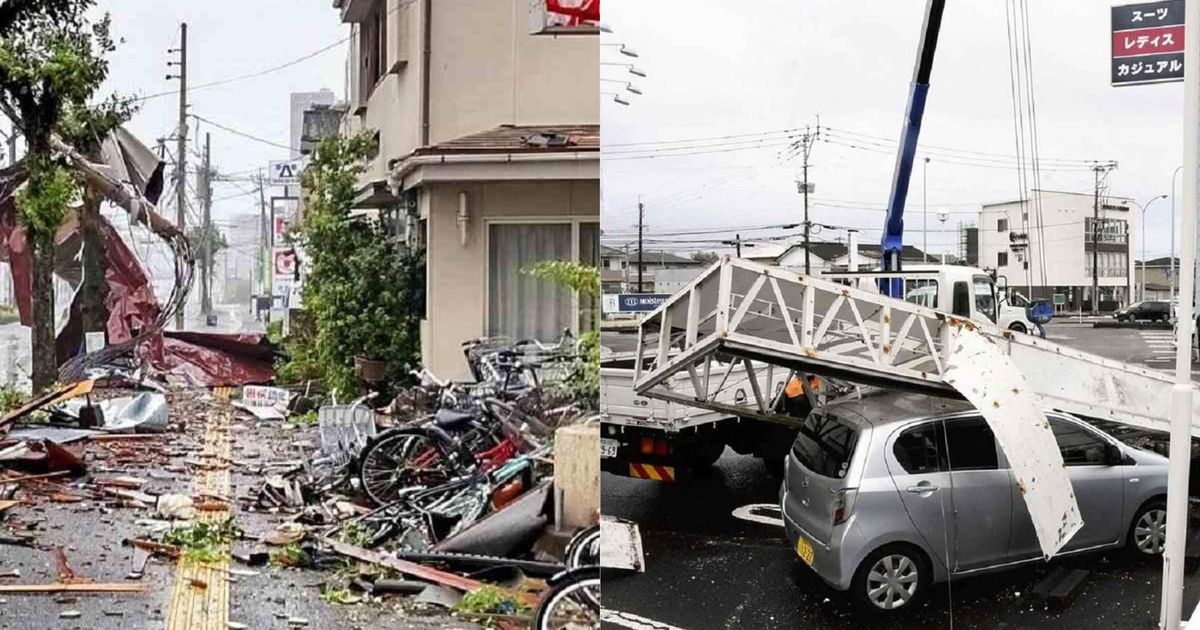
[251,75]
[242,133]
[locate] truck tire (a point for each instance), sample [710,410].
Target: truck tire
[704,455]
[1018,327]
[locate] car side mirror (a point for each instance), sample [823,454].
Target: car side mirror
[1113,455]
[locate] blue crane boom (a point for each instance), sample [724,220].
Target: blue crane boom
[892,242]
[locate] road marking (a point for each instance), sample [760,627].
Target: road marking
[200,596]
[630,620]
[765,513]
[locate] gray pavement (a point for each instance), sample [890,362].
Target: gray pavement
[706,569]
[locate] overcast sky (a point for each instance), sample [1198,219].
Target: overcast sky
[721,68]
[226,38]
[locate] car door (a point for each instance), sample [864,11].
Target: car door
[980,494]
[915,460]
[1099,490]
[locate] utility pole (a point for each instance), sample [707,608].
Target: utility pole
[206,199]
[739,248]
[263,254]
[181,145]
[641,224]
[806,142]
[1095,242]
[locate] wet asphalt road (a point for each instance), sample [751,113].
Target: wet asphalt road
[706,569]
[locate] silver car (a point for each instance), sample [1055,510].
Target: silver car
[889,493]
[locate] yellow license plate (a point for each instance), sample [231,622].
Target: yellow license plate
[805,550]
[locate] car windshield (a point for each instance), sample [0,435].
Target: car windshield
[824,445]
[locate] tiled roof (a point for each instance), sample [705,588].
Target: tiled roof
[522,139]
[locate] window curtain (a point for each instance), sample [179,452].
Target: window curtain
[519,305]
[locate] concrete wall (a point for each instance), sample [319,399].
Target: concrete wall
[457,274]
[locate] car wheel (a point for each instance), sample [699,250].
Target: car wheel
[891,578]
[1148,532]
[1018,327]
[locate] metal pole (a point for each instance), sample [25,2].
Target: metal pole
[181,151]
[641,223]
[925,211]
[1181,393]
[1143,293]
[807,225]
[206,279]
[739,245]
[1171,280]
[1095,242]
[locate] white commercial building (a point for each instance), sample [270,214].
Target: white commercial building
[1050,254]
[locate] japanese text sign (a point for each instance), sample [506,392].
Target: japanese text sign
[1147,42]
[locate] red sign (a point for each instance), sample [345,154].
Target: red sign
[1148,41]
[573,12]
[564,16]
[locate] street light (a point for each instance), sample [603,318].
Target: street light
[634,70]
[1144,207]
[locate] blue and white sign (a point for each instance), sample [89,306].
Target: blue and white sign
[640,302]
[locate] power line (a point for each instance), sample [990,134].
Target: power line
[242,133]
[251,75]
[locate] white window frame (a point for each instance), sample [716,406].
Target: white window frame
[488,222]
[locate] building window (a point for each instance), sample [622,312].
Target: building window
[372,46]
[1106,231]
[1002,225]
[523,307]
[1001,259]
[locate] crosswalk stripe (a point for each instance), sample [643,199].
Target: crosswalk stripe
[630,620]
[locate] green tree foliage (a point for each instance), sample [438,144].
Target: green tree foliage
[364,291]
[52,62]
[584,382]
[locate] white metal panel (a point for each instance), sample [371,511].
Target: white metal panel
[984,374]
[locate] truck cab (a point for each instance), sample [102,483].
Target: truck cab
[968,292]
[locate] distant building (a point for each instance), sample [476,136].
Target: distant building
[1013,242]
[828,256]
[317,123]
[301,102]
[1157,276]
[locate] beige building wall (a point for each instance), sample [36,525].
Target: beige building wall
[487,70]
[456,300]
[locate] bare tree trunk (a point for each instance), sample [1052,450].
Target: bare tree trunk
[94,289]
[45,360]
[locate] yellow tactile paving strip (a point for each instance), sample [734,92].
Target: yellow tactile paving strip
[200,596]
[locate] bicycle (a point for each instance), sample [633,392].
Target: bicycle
[447,445]
[422,516]
[572,600]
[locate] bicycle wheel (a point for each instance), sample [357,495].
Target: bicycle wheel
[584,549]
[568,605]
[406,458]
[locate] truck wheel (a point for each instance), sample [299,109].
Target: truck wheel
[705,454]
[1018,327]
[774,465]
